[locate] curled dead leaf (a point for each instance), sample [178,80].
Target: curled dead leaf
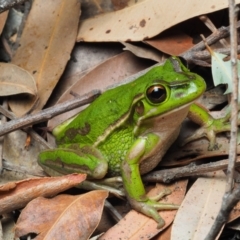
[15,80]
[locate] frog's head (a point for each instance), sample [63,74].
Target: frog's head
[170,88]
[163,95]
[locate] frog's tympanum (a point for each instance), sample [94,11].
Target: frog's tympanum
[127,130]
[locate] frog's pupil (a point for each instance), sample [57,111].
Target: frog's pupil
[156,94]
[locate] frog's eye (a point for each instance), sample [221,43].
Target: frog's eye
[156,94]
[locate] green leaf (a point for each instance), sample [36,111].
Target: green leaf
[221,71]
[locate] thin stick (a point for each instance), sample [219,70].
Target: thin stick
[3,121]
[7,4]
[234,98]
[172,174]
[47,113]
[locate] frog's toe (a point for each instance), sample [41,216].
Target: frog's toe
[150,208]
[210,130]
[162,194]
[200,133]
[153,213]
[207,132]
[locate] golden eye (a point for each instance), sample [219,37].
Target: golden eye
[156,94]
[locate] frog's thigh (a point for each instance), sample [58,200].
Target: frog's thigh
[66,161]
[142,146]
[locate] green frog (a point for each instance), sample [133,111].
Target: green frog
[127,130]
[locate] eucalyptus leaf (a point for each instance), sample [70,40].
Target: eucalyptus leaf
[221,71]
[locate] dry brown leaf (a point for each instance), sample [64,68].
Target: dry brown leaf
[15,80]
[19,162]
[28,189]
[172,42]
[143,20]
[164,235]
[137,226]
[144,52]
[45,46]
[200,207]
[85,57]
[8,186]
[111,72]
[3,18]
[62,217]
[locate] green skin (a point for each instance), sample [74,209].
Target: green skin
[128,129]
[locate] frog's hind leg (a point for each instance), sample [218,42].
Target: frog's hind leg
[133,183]
[64,161]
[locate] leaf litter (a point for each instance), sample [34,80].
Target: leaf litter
[41,57]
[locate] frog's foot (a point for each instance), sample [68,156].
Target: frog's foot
[150,208]
[210,130]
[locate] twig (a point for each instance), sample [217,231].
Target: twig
[207,21]
[221,33]
[29,130]
[205,55]
[7,4]
[169,175]
[47,113]
[228,199]
[3,121]
[234,98]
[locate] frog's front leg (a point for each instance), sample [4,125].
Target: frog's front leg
[133,184]
[209,125]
